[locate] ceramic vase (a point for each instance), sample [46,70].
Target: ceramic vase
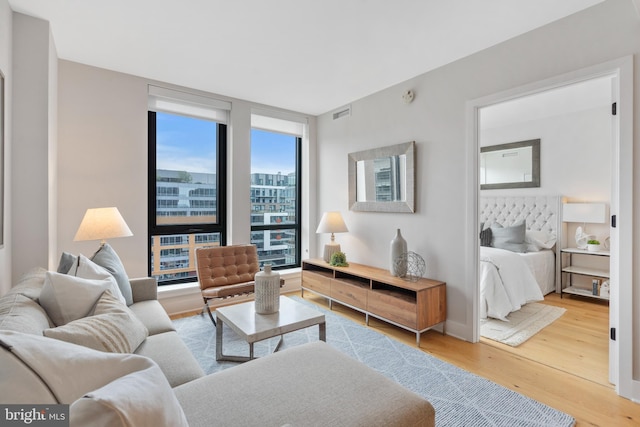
[398,247]
[267,289]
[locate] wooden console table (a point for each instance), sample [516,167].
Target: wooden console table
[415,306]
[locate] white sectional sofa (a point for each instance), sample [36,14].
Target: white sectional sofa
[161,383]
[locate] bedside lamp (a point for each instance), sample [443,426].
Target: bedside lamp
[101,224]
[584,213]
[331,222]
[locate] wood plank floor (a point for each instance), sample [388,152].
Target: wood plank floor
[564,366]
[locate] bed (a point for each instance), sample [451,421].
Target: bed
[518,272]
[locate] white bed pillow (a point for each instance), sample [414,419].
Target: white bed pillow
[539,240]
[66,298]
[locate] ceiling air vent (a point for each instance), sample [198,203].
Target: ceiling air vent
[342,112]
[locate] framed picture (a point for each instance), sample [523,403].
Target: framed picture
[1,159]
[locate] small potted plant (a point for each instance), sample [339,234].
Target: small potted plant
[593,245]
[339,259]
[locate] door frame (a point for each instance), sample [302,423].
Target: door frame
[621,302]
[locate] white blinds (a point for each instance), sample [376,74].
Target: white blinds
[276,121]
[188,104]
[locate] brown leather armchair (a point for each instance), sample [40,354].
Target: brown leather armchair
[226,271]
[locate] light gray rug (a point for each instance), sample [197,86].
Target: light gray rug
[459,397]
[522,324]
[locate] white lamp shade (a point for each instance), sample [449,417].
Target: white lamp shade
[332,222]
[102,224]
[584,212]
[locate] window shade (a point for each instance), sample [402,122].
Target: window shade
[188,104]
[280,122]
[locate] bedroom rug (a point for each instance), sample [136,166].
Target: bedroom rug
[522,324]
[460,398]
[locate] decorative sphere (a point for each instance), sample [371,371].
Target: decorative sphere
[410,266]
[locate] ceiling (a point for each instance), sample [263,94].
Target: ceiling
[572,98]
[310,56]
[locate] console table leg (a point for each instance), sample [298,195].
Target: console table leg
[418,339]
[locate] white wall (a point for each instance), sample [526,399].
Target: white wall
[436,121]
[34,142]
[575,158]
[6,40]
[102,159]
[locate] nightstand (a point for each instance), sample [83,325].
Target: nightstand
[571,270]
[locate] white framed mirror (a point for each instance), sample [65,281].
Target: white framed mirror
[511,165]
[382,179]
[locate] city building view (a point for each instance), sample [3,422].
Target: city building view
[183,195]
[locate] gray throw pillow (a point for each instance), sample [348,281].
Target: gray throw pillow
[107,258]
[67,261]
[509,238]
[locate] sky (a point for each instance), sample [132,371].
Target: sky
[185,143]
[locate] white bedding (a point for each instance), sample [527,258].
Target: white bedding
[543,266]
[506,283]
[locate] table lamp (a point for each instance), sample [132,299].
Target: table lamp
[584,213]
[331,222]
[101,224]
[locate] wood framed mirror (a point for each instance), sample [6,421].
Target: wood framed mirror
[511,165]
[382,179]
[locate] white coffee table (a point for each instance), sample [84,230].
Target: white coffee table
[253,327]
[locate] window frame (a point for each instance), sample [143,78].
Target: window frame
[196,228]
[297,227]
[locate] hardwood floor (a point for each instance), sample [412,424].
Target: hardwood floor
[564,366]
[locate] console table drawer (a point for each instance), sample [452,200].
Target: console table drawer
[395,308]
[348,293]
[317,282]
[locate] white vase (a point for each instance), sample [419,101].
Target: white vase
[267,288]
[398,247]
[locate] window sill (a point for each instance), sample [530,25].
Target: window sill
[168,291]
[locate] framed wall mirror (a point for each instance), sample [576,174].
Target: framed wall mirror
[512,165]
[382,179]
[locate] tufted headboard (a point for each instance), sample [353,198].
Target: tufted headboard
[539,212]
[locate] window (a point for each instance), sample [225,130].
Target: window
[275,193]
[187,181]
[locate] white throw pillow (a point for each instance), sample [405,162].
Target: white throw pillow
[68,370]
[88,269]
[107,257]
[66,298]
[141,398]
[113,328]
[103,389]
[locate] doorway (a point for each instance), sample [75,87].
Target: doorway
[620,73]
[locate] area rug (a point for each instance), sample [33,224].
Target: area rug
[521,324]
[460,398]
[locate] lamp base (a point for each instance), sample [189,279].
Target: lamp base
[330,249]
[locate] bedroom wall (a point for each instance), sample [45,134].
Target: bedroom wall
[575,157]
[6,40]
[436,120]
